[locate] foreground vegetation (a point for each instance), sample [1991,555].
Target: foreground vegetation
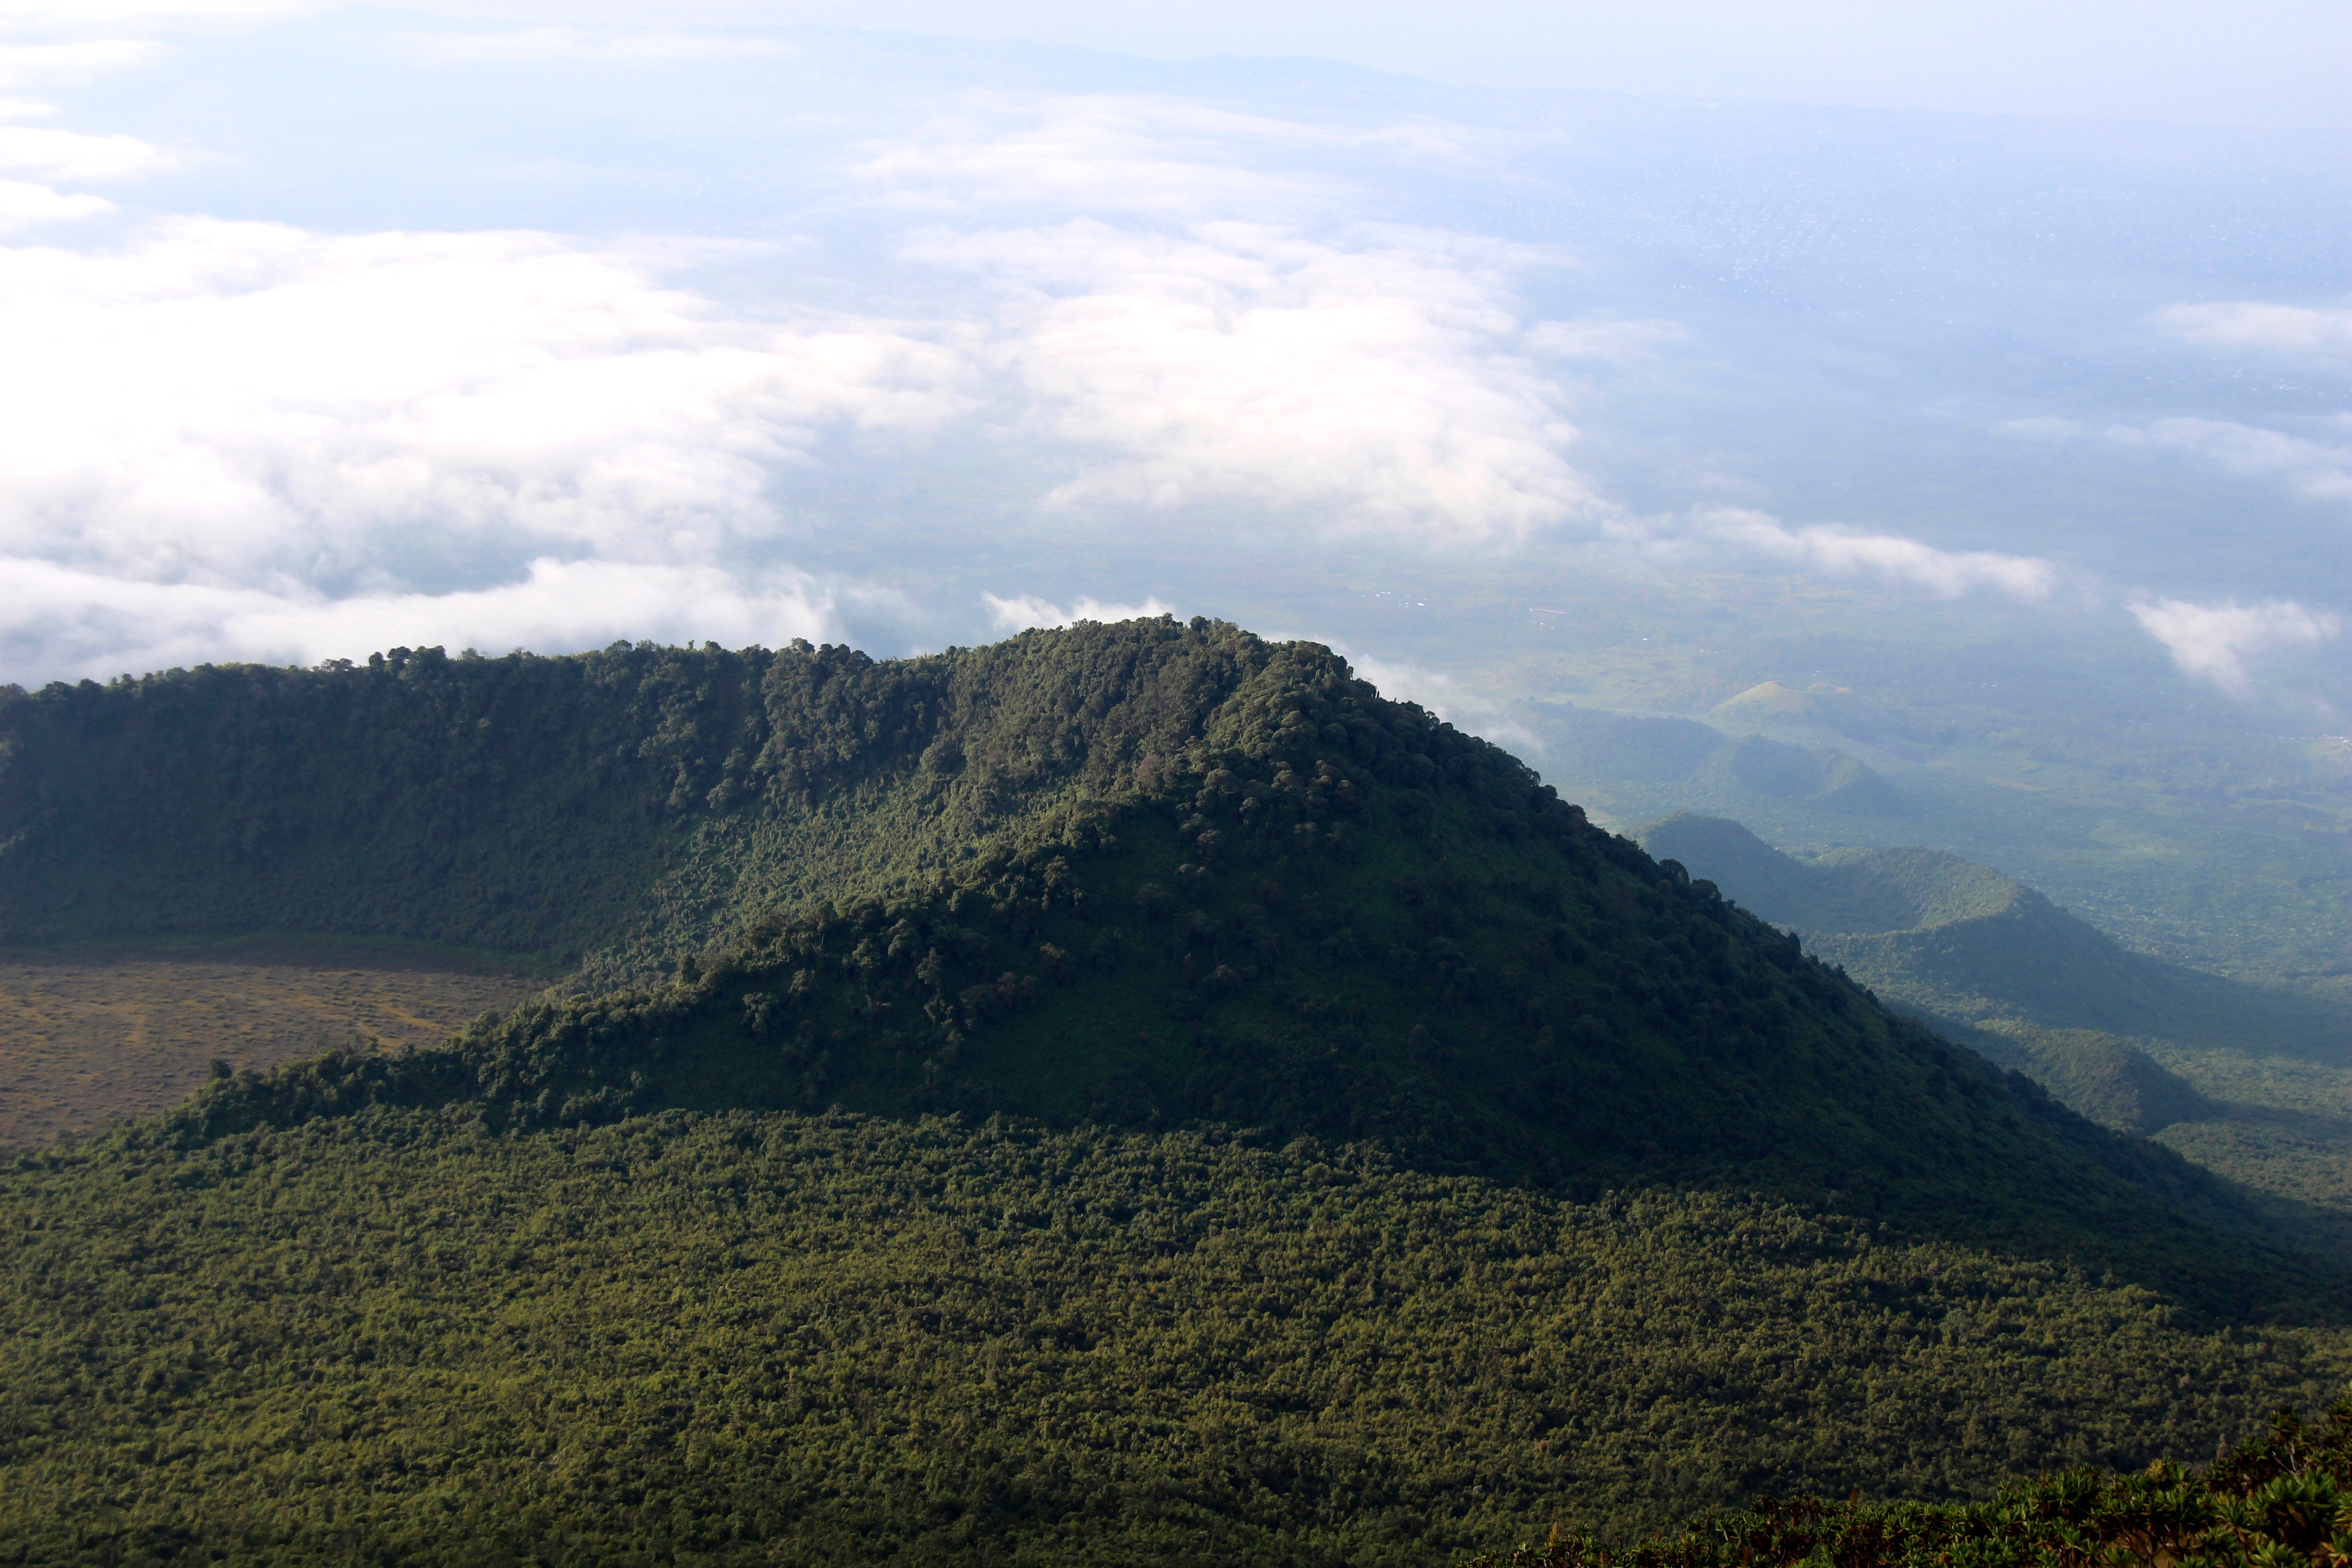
[2282,1500]
[404,1336]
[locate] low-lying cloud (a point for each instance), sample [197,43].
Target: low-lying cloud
[217,400]
[2321,333]
[1891,558]
[1214,340]
[1027,612]
[275,442]
[52,154]
[1135,155]
[2213,643]
[254,440]
[1364,389]
[1402,681]
[23,205]
[2321,469]
[78,622]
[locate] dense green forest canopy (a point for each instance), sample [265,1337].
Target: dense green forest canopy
[611,806]
[2279,1501]
[407,1336]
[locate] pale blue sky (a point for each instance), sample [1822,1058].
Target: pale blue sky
[2205,62]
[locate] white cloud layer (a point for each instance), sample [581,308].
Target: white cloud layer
[1892,558]
[2213,642]
[1212,343]
[2302,332]
[242,440]
[2321,469]
[275,442]
[92,624]
[1025,611]
[216,400]
[71,65]
[1131,153]
[210,408]
[70,155]
[23,205]
[1359,388]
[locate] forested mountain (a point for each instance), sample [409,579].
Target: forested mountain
[1148,873]
[1127,1093]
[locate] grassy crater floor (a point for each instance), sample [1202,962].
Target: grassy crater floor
[90,1032]
[757,1338]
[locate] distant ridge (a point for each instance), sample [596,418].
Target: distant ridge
[1980,952]
[1651,750]
[1957,938]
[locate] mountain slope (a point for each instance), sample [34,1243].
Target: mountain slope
[2108,1080]
[1614,752]
[1986,957]
[1514,1169]
[1145,873]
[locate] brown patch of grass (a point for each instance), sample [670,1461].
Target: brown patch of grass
[88,1036]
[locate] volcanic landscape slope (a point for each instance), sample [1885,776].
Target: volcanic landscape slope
[1140,873]
[1126,1094]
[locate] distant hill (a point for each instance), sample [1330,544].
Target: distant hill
[1959,939]
[2108,1080]
[1985,956]
[2245,1080]
[1997,964]
[1702,762]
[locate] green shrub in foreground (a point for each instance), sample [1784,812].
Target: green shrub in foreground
[2282,1500]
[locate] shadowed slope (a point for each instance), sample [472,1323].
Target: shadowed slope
[609,808]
